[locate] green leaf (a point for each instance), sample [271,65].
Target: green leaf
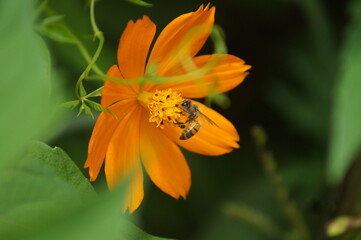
[54,28]
[52,20]
[63,166]
[39,185]
[46,63]
[71,104]
[81,109]
[98,107]
[140,3]
[27,101]
[95,106]
[87,110]
[45,196]
[101,222]
[346,132]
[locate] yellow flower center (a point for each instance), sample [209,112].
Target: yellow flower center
[163,106]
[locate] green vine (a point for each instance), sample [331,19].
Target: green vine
[79,92]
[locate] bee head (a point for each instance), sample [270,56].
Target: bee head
[185,104]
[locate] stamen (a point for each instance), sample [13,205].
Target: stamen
[163,107]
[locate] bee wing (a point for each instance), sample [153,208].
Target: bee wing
[207,119]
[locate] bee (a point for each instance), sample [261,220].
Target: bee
[191,126]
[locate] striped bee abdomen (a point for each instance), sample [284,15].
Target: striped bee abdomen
[191,129]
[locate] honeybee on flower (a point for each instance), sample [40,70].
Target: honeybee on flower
[153,116]
[191,125]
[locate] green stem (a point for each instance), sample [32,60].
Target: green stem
[82,49]
[96,92]
[99,35]
[92,18]
[290,209]
[253,216]
[115,79]
[88,58]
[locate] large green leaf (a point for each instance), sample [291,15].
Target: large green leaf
[39,187]
[346,129]
[301,92]
[62,166]
[26,100]
[45,196]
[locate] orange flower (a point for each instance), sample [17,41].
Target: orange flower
[145,130]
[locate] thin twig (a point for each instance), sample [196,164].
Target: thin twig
[290,209]
[252,216]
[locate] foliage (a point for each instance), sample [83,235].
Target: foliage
[346,134]
[303,88]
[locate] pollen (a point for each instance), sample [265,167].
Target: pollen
[163,109]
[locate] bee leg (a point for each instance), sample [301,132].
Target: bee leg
[178,124]
[181,125]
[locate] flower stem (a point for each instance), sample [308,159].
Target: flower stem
[253,216]
[88,58]
[99,35]
[94,93]
[78,43]
[290,209]
[92,18]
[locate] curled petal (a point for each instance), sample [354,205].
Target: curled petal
[210,139]
[225,73]
[163,160]
[122,163]
[182,38]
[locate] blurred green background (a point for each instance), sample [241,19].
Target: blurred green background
[303,89]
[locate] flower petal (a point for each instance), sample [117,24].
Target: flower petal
[134,46]
[209,140]
[114,92]
[122,162]
[227,73]
[134,193]
[163,160]
[182,38]
[102,133]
